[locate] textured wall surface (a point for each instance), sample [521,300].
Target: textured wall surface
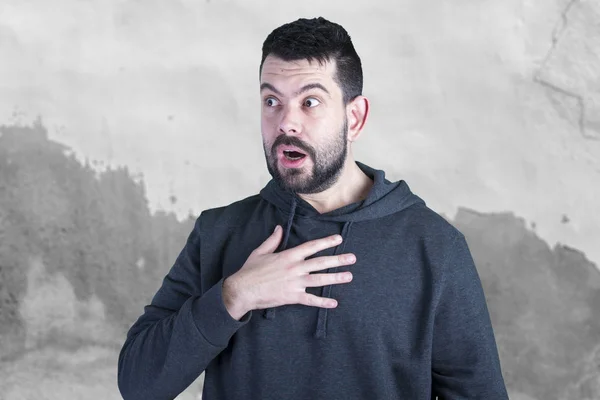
[149,113]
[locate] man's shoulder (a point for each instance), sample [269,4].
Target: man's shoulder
[427,223]
[230,215]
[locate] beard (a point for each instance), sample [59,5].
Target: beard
[328,163]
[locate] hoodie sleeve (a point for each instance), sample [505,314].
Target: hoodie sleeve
[179,333]
[465,360]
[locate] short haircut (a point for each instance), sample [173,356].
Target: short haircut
[321,40]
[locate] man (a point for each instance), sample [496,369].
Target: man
[332,282]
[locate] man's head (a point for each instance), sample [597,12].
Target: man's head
[312,103]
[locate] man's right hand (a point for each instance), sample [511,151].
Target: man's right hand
[268,279]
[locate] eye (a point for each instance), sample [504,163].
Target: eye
[271,102]
[311,102]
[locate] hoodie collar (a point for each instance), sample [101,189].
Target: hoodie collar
[383,199]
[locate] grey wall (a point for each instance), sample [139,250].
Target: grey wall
[116,118]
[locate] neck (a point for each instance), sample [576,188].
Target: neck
[353,185]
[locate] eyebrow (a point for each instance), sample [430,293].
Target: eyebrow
[303,89]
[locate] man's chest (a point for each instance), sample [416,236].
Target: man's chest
[391,289]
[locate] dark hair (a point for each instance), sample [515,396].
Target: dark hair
[321,40]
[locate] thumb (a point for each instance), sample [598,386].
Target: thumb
[271,243]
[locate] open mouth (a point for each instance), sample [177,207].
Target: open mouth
[293,155]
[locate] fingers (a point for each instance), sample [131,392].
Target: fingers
[321,263]
[314,246]
[317,280]
[271,243]
[302,251]
[308,299]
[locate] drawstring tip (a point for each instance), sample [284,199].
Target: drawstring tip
[321,329]
[320,334]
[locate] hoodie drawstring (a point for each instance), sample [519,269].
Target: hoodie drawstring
[269,313]
[321,331]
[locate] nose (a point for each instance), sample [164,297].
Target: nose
[290,122]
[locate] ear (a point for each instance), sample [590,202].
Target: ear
[357,111]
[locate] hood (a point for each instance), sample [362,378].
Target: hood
[384,198]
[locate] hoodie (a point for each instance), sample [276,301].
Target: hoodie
[412,324]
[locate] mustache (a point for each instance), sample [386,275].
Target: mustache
[292,141]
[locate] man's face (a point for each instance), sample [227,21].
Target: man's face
[304,124]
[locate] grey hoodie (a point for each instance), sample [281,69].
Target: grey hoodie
[412,324]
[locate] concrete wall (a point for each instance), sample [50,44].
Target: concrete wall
[489,110]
